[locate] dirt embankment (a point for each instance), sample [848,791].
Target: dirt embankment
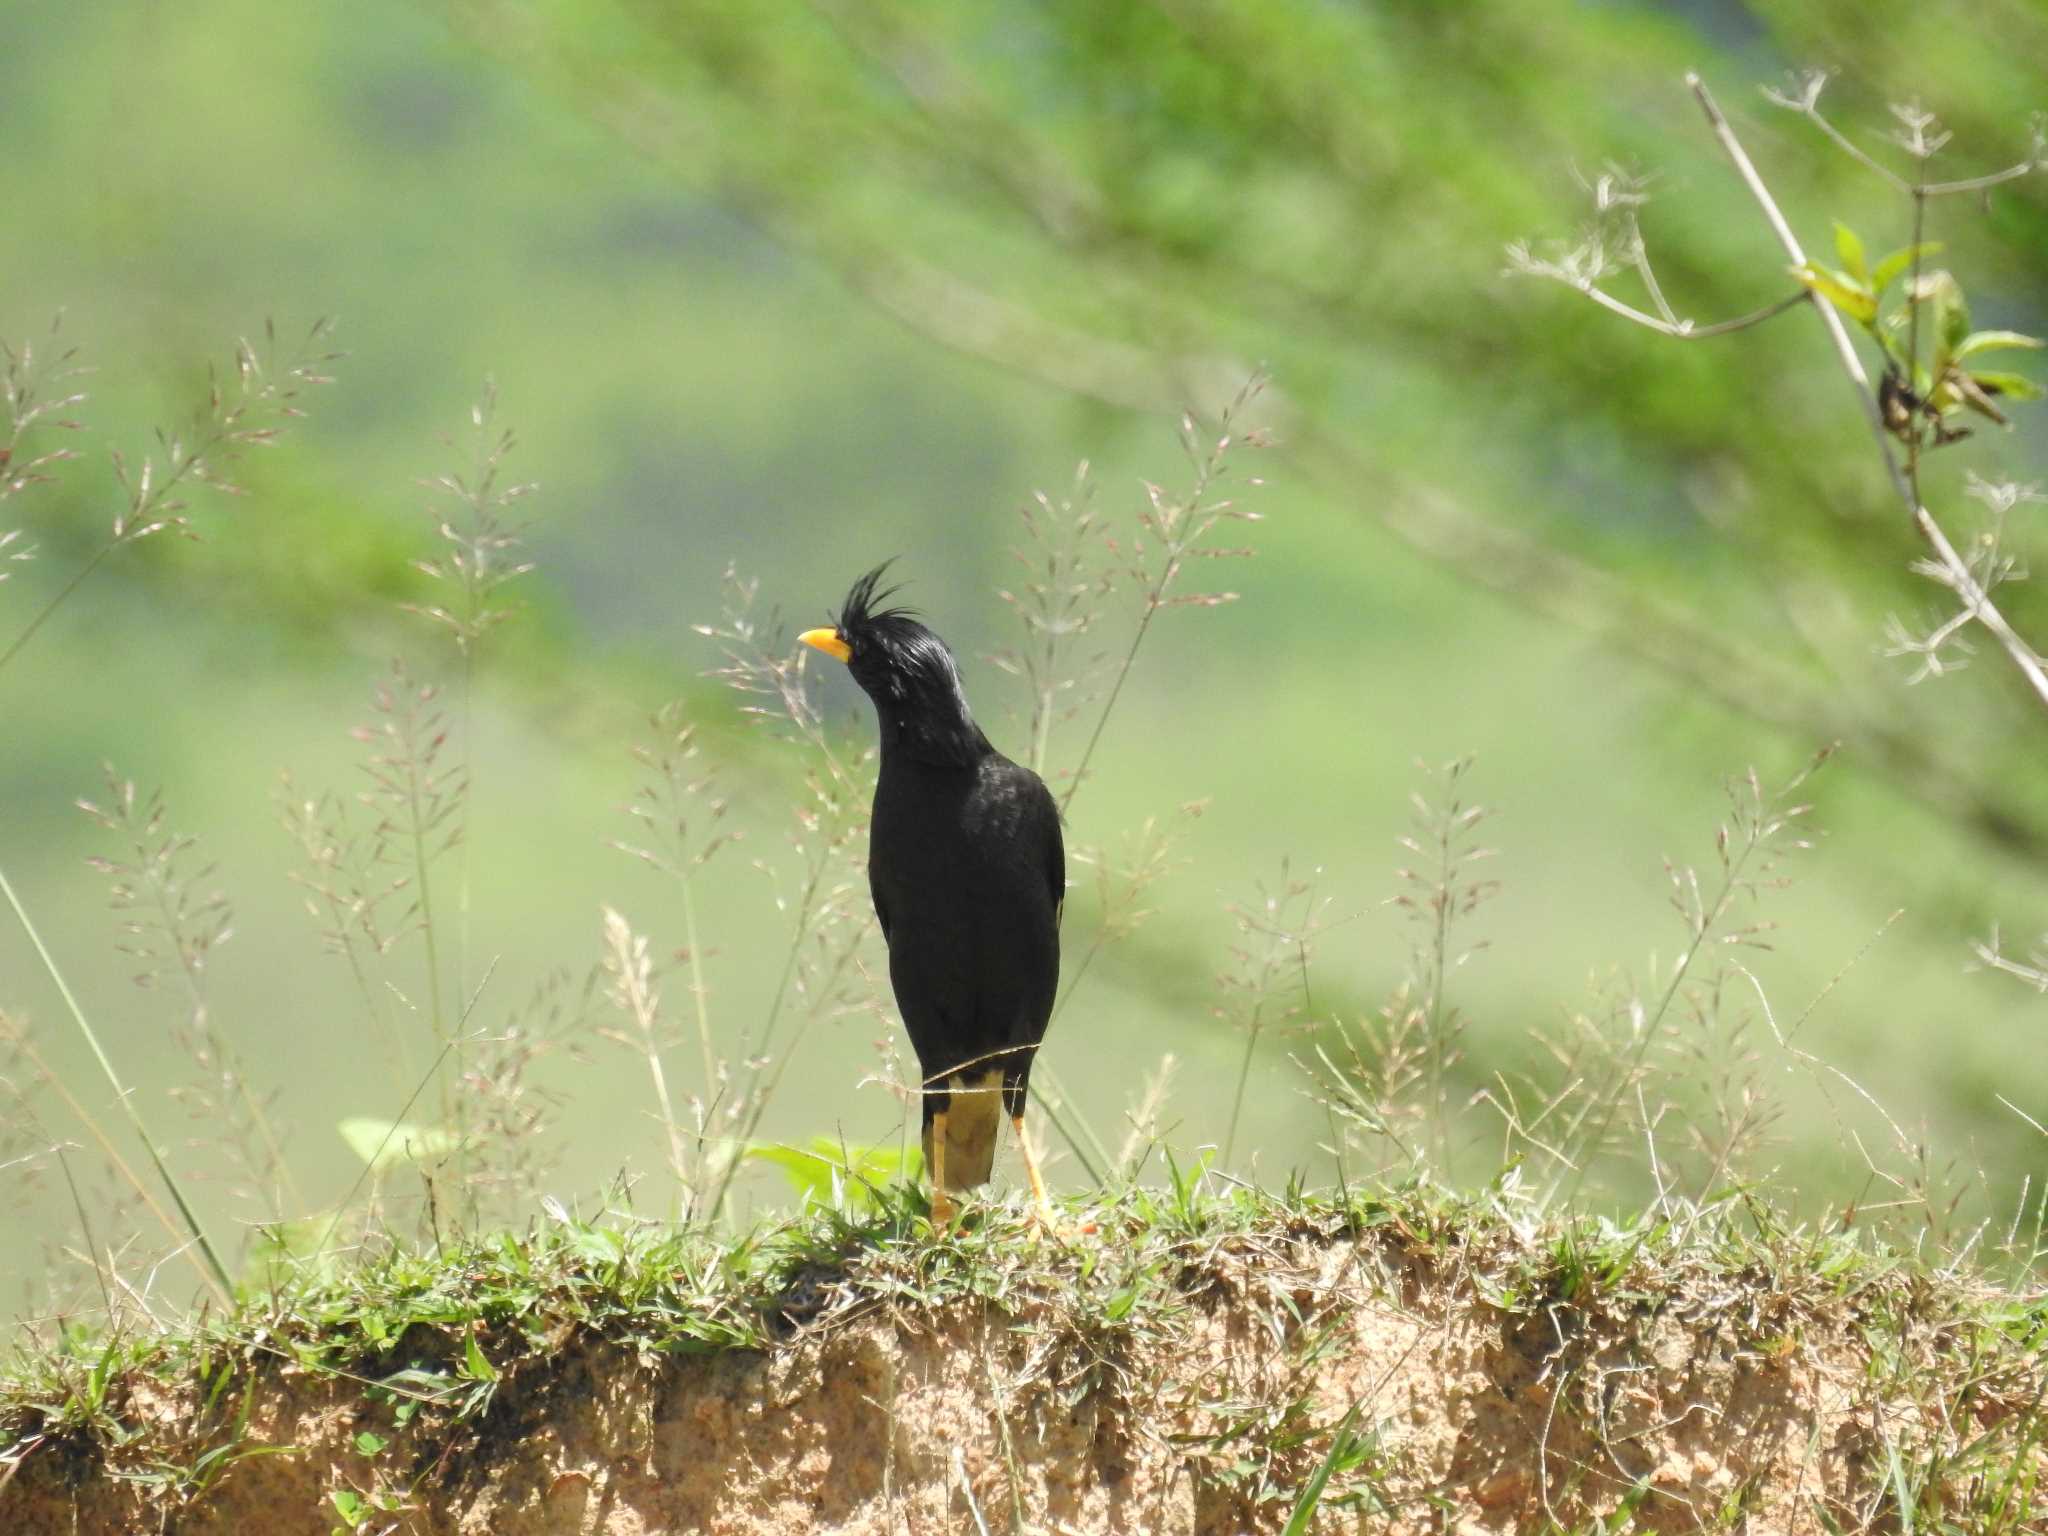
[1128,1384]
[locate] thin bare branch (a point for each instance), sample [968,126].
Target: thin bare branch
[1976,601]
[1980,183]
[1686,330]
[1856,152]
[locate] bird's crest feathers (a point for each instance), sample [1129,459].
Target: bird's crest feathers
[862,608]
[910,674]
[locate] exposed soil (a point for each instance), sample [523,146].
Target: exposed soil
[1715,1401]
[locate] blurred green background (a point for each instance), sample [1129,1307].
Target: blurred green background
[792,289]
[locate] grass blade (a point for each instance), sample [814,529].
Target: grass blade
[218,1270]
[1312,1491]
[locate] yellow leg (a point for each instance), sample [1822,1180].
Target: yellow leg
[943,1208]
[1031,1172]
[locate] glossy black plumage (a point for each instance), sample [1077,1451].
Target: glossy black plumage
[968,872]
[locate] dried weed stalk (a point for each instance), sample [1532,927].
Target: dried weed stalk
[1146,1120]
[416,797]
[1173,531]
[249,410]
[166,920]
[472,518]
[172,919]
[681,827]
[512,1114]
[632,989]
[27,1150]
[1081,569]
[36,385]
[355,901]
[1909,1191]
[825,896]
[1619,1070]
[1123,884]
[1441,893]
[1070,571]
[1388,1077]
[187,1231]
[371,887]
[1266,988]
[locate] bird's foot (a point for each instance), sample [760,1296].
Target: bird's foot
[945,1212]
[1061,1229]
[1042,1216]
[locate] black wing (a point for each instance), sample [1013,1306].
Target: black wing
[881,909]
[1055,859]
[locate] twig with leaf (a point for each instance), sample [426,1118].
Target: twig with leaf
[1919,410]
[1923,392]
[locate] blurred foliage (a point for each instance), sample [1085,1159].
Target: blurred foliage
[1135,200]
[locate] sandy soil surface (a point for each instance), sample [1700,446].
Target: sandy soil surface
[1730,1405]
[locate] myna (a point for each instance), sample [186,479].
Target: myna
[968,873]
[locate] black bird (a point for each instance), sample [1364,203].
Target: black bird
[968,874]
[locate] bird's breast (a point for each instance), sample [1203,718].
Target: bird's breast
[950,845]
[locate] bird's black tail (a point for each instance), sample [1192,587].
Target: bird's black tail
[974,1117]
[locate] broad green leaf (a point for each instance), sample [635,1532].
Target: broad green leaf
[827,1165]
[1894,266]
[1840,290]
[386,1144]
[2014,386]
[1950,312]
[1850,249]
[369,1443]
[1955,320]
[1993,341]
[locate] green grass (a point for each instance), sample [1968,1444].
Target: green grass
[458,1356]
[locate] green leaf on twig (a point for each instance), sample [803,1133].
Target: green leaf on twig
[1894,266]
[1846,293]
[1993,341]
[2014,386]
[1850,249]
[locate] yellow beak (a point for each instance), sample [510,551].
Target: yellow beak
[828,641]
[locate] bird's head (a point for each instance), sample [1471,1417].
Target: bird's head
[906,669]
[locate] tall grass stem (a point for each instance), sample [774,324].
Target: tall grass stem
[217,1271]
